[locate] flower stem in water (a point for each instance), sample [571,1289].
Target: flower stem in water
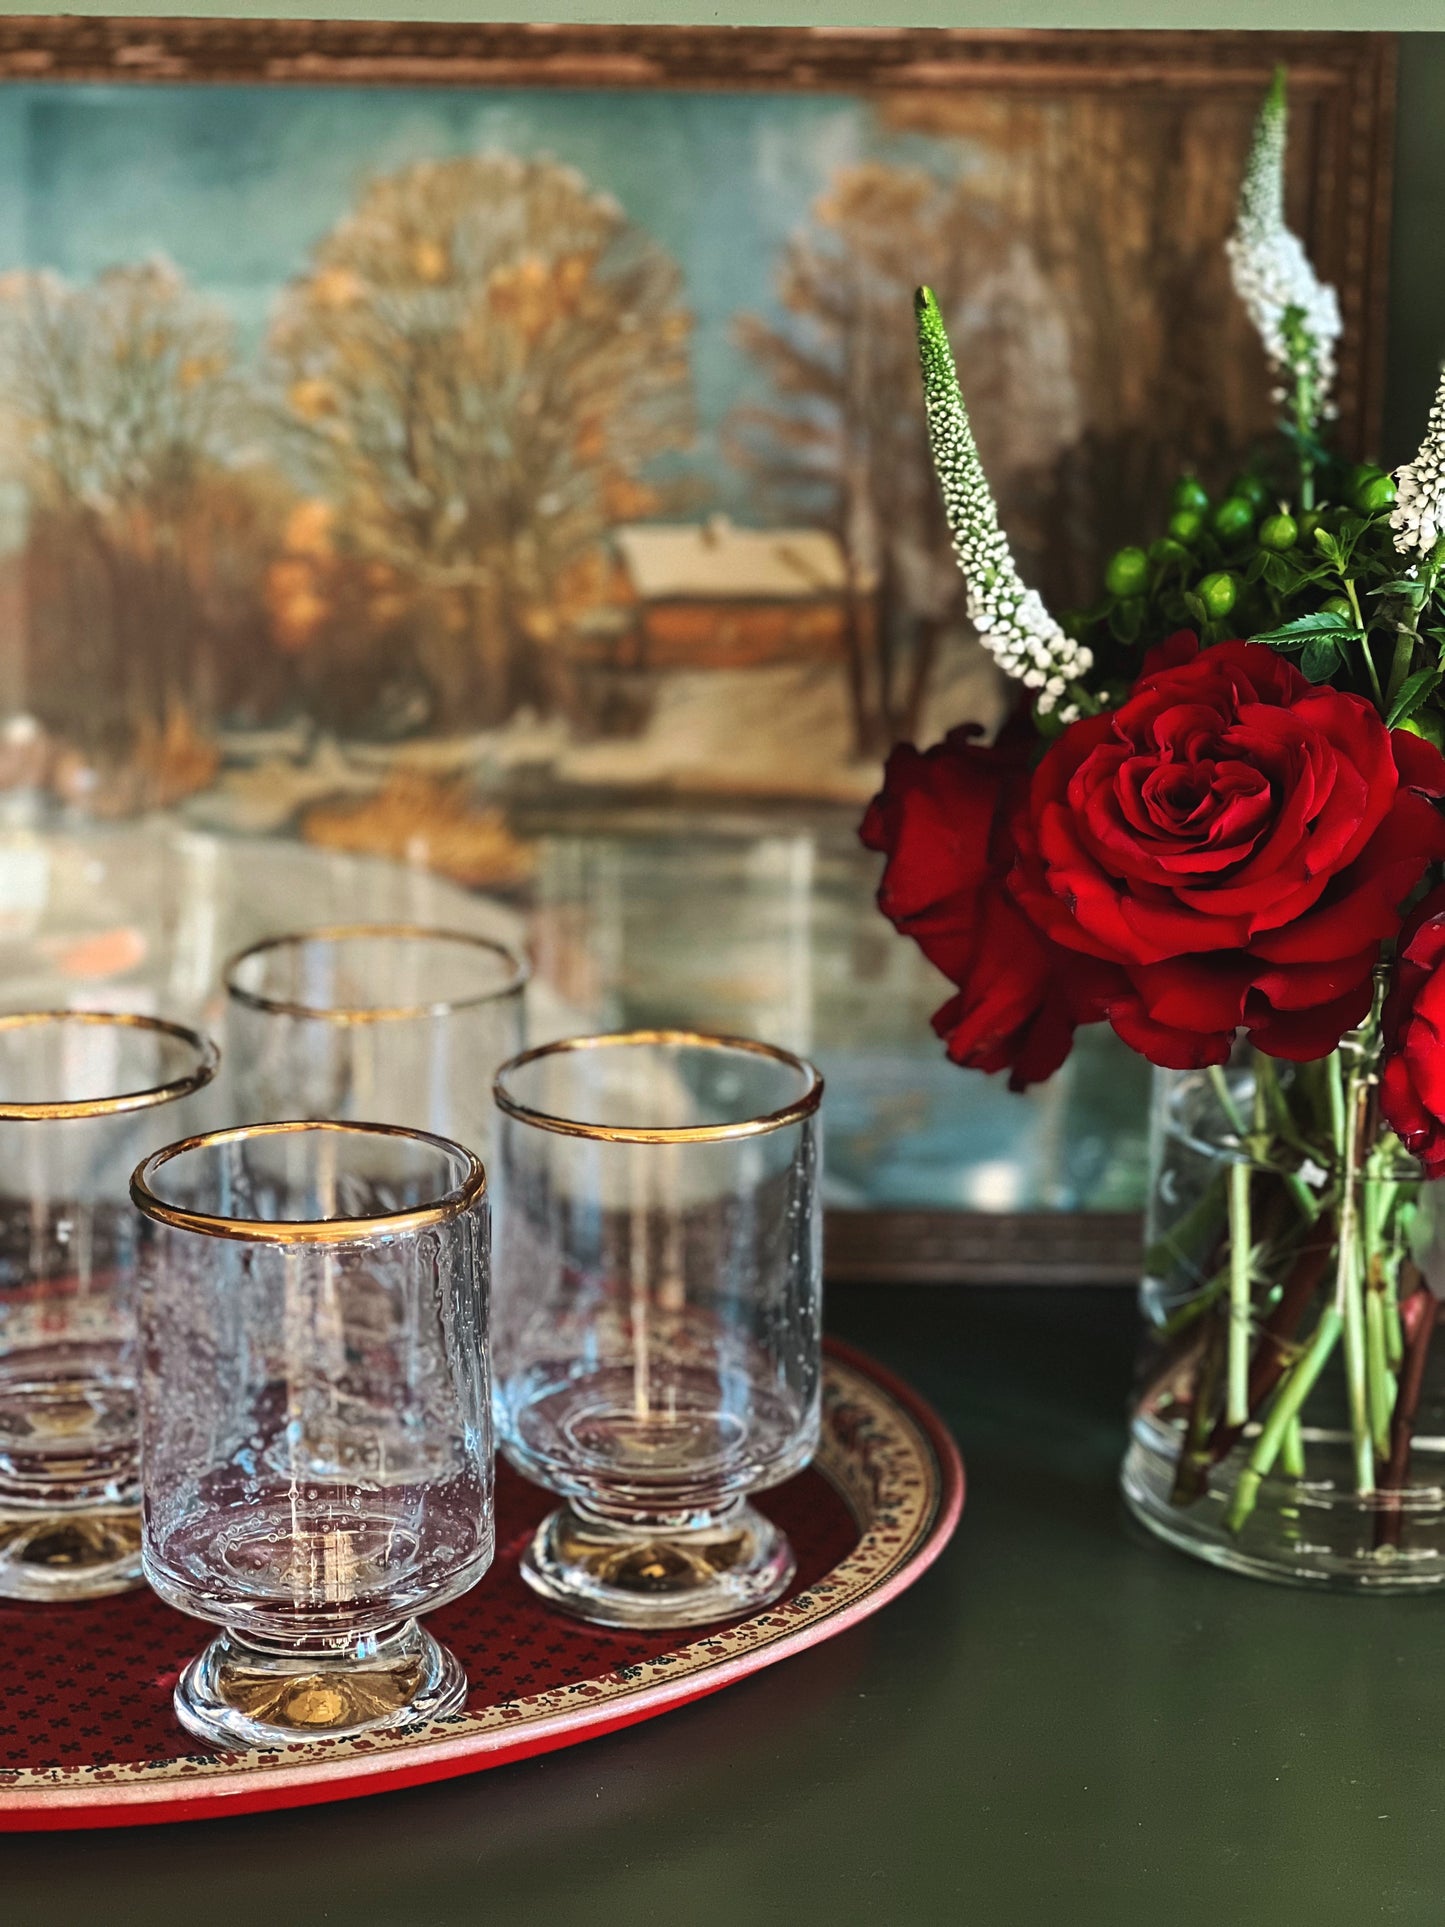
[1226,1100]
[1293,1392]
[1349,1298]
[1380,1383]
[1236,1404]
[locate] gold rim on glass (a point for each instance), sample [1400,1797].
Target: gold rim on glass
[207,1059]
[793,1113]
[316,1231]
[516,980]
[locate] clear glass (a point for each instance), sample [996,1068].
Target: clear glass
[659,1312]
[82,1096]
[315,1420]
[389,1023]
[1290,1421]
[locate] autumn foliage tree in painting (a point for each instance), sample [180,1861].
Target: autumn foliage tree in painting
[125,424]
[147,519]
[482,364]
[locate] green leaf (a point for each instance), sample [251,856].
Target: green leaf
[1324,622]
[1278,571]
[1329,548]
[1413,692]
[1414,592]
[1319,658]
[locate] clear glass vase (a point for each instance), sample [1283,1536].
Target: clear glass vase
[1290,1421]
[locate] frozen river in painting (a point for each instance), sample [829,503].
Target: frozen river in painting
[735,925]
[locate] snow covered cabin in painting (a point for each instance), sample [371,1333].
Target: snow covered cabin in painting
[715,596]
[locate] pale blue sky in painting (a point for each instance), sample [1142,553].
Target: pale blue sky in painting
[237,184]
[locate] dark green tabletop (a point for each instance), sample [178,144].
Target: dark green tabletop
[1062,1723]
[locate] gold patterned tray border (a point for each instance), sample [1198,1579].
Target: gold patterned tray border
[882,1450]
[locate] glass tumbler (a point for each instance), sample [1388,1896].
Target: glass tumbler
[315,1420]
[659,1312]
[395,1023]
[82,1096]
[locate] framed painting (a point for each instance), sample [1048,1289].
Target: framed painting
[500,447]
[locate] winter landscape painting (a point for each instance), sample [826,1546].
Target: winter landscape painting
[386,463]
[501,449]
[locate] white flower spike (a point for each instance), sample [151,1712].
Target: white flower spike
[1296,314]
[1012,622]
[1418,518]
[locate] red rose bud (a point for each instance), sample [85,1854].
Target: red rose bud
[1235,844]
[945,821]
[1412,1082]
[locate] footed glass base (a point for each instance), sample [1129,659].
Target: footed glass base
[1312,1531]
[57,1556]
[240,1694]
[630,1574]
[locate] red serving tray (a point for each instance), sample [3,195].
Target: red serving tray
[88,1738]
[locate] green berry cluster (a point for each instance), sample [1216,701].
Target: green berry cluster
[1251,561]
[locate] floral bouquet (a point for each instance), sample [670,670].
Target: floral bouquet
[1217,823]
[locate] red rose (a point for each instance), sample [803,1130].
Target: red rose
[945,819]
[1239,843]
[1412,1083]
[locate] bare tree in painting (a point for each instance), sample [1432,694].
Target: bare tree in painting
[124,423]
[1079,262]
[484,361]
[841,440]
[1121,200]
